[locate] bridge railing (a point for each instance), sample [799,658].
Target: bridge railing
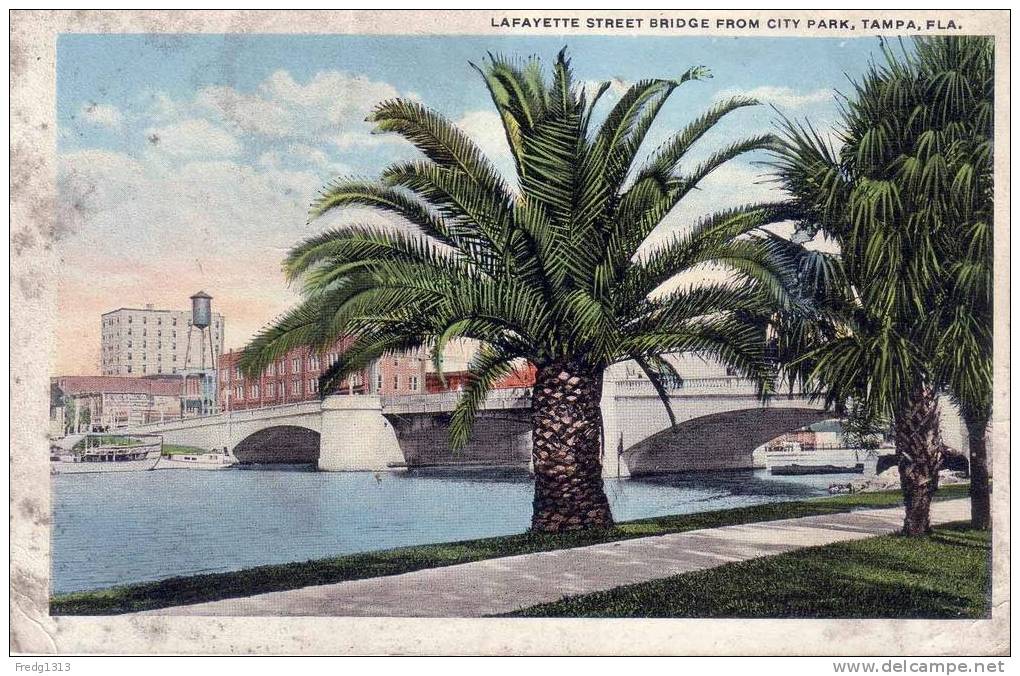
[224,416]
[444,402]
[721,384]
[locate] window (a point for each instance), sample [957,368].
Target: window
[129,369]
[295,388]
[254,391]
[295,364]
[414,383]
[271,370]
[378,382]
[237,372]
[396,381]
[313,385]
[174,322]
[239,391]
[129,356]
[271,390]
[129,343]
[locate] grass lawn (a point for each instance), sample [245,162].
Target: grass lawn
[944,575]
[174,449]
[107,440]
[215,586]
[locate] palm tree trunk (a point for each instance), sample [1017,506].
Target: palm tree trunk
[980,494]
[567,449]
[918,455]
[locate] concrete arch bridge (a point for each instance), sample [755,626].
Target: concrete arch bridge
[720,422]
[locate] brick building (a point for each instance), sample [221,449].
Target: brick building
[295,377]
[523,376]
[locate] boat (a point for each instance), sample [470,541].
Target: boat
[798,470]
[201,461]
[107,458]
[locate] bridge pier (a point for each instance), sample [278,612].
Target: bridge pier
[356,437]
[613,463]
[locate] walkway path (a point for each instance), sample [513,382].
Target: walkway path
[501,585]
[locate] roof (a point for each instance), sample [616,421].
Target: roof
[73,385]
[201,294]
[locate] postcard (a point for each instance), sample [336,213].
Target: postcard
[510,332]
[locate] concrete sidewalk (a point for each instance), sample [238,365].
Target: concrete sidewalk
[501,585]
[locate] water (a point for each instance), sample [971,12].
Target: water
[119,528]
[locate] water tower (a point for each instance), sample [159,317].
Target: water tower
[204,396]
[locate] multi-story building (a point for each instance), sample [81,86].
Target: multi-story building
[295,378]
[92,403]
[453,381]
[141,342]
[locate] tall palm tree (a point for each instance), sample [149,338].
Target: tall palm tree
[957,77]
[548,272]
[903,200]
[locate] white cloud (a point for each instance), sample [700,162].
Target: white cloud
[302,157]
[329,105]
[193,138]
[781,97]
[485,127]
[102,115]
[617,87]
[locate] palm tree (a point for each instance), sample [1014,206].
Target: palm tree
[548,271]
[958,78]
[902,199]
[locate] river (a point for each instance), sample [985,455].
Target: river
[118,528]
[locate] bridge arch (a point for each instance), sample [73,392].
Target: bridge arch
[718,440]
[279,444]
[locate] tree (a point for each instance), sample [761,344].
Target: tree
[899,199]
[958,78]
[547,271]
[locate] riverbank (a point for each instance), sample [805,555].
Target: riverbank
[262,579]
[941,576]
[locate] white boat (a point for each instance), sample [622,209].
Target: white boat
[203,461]
[138,458]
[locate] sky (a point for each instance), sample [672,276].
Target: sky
[188,162]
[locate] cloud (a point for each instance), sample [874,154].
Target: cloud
[781,97]
[101,115]
[485,127]
[194,138]
[328,106]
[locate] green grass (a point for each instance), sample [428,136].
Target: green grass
[944,575]
[174,449]
[107,440]
[215,586]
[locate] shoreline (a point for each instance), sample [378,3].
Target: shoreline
[200,588]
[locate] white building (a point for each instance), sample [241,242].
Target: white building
[141,342]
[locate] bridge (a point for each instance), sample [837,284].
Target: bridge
[720,420]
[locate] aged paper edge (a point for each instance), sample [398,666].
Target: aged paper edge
[34,268]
